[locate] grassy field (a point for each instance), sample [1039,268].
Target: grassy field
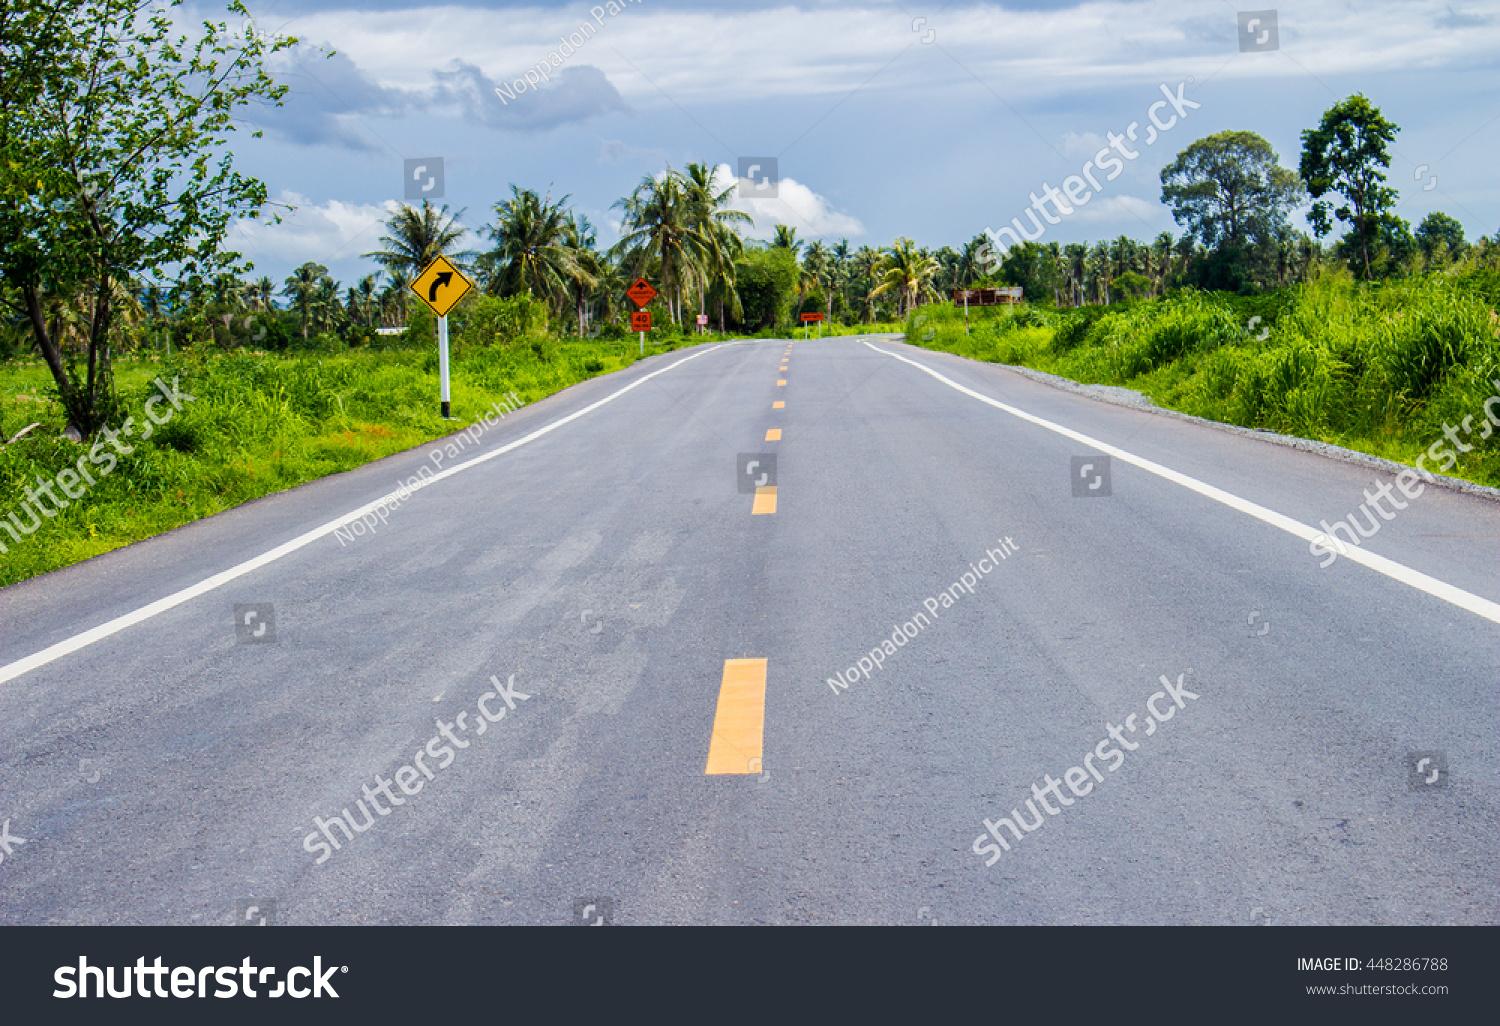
[1379,368]
[261,423]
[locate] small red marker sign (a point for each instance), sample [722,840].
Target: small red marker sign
[640,320]
[811,317]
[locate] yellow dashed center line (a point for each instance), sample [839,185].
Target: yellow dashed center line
[773,435]
[739,723]
[778,405]
[765,501]
[782,381]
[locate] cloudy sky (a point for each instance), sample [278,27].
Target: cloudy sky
[885,119]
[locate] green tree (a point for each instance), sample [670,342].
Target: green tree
[710,216]
[1230,189]
[908,273]
[417,237]
[302,289]
[1441,237]
[115,165]
[1031,266]
[662,226]
[766,279]
[1344,155]
[534,248]
[786,238]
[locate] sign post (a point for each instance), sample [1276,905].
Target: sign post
[441,285]
[444,392]
[808,318]
[640,293]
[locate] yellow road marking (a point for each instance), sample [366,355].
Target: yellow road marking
[781,382]
[778,405]
[773,435]
[783,366]
[765,501]
[739,723]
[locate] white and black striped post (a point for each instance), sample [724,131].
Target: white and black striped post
[443,364]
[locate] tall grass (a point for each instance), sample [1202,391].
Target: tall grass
[1382,367]
[261,423]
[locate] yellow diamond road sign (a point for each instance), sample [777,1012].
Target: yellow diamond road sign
[441,285]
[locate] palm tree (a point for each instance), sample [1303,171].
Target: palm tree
[327,312]
[261,292]
[586,269]
[816,273]
[714,222]
[969,263]
[1161,261]
[302,288]
[866,264]
[417,237]
[533,248]
[393,301]
[366,293]
[229,295]
[786,238]
[909,273]
[1099,271]
[723,285]
[664,224]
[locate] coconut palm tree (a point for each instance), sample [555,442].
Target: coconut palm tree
[418,236]
[261,293]
[723,289]
[1161,261]
[710,216]
[816,273]
[533,248]
[327,312]
[786,238]
[393,300]
[1099,270]
[302,289]
[366,295]
[586,269]
[664,224]
[908,273]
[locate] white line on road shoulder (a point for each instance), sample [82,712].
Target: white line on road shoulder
[1390,568]
[13,670]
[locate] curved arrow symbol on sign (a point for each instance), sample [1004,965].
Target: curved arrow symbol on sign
[442,278]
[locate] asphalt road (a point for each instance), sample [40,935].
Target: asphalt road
[170,768]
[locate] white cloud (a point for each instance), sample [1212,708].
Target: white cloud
[1120,208]
[666,55]
[1083,145]
[323,233]
[795,205]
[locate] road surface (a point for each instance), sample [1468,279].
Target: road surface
[182,721]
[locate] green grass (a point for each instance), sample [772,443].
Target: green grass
[1379,368]
[262,423]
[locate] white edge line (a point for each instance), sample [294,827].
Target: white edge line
[21,666]
[1390,568]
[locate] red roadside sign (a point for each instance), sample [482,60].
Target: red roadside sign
[811,317]
[702,319]
[640,320]
[640,292]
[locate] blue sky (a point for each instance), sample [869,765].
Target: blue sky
[886,118]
